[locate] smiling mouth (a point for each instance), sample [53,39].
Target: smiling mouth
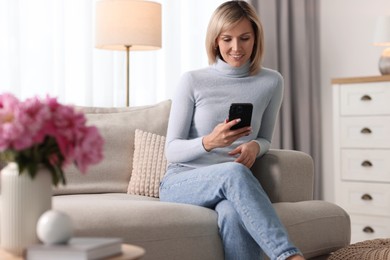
[236,56]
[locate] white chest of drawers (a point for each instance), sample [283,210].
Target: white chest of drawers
[361,113]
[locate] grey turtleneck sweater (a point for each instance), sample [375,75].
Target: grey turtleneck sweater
[202,101]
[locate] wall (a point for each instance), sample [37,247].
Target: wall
[346,33]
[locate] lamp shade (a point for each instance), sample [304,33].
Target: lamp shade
[382,31]
[133,23]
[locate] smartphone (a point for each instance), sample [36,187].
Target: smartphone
[242,111]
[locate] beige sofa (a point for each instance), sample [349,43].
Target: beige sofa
[99,204]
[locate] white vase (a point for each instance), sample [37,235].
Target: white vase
[23,201]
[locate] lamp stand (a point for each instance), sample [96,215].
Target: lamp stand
[128,75]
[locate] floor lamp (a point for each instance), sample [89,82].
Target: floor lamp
[128,25]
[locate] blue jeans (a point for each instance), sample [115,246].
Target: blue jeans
[247,222]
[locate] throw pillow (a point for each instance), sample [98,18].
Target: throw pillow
[117,126]
[149,164]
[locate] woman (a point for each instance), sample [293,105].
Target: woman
[209,164]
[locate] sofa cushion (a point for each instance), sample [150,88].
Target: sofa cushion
[316,227]
[177,231]
[117,126]
[149,164]
[167,231]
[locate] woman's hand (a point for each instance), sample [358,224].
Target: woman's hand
[248,153]
[222,136]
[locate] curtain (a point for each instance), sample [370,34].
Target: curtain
[292,47]
[47,47]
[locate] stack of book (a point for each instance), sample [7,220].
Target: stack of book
[78,248]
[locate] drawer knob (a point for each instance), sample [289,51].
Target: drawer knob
[367,164]
[369,230]
[366,197]
[366,98]
[366,131]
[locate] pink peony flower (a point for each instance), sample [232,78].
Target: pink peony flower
[34,114]
[8,101]
[89,148]
[47,133]
[11,129]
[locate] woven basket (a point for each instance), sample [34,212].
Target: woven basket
[376,249]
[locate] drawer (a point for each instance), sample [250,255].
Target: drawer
[365,165]
[365,227]
[365,198]
[365,132]
[365,99]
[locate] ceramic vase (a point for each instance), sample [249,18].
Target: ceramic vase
[23,201]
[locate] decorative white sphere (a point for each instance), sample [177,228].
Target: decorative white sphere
[54,227]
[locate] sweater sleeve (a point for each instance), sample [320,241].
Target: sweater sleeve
[179,148]
[269,117]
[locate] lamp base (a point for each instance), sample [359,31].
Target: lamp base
[384,62]
[384,65]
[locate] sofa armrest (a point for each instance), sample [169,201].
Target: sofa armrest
[285,175]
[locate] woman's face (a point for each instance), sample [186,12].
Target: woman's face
[236,44]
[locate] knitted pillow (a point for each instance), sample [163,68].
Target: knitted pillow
[149,164]
[365,250]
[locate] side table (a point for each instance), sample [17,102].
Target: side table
[129,252]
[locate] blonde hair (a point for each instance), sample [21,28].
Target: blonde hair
[226,16]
